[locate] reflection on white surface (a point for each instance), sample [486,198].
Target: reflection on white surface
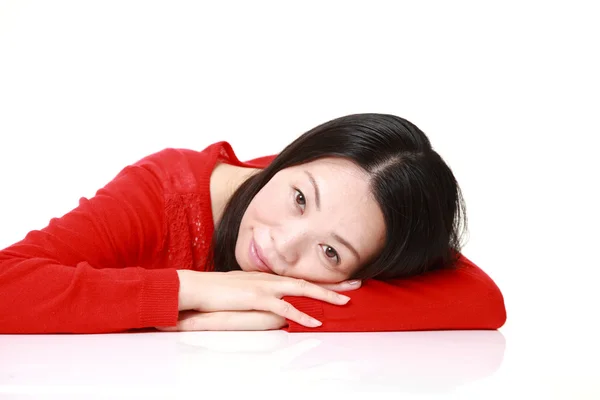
[162,363]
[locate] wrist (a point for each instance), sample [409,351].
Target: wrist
[183,297]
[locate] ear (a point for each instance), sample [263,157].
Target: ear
[344,286]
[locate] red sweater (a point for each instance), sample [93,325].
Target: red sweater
[110,264]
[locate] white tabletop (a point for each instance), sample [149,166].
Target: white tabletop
[276,364]
[163,363]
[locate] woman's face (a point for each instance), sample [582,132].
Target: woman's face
[317,221]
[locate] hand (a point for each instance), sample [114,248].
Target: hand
[344,286]
[227,321]
[242,320]
[250,291]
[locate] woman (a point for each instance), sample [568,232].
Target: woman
[186,240]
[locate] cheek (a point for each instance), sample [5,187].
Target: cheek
[268,208]
[313,270]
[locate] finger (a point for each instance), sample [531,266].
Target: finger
[288,311]
[344,286]
[166,328]
[253,321]
[231,321]
[300,287]
[243,321]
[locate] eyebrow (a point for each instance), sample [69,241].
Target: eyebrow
[316,187]
[347,244]
[318,203]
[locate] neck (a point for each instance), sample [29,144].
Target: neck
[224,181]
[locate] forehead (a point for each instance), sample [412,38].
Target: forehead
[334,167]
[342,184]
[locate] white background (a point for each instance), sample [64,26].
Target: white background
[508,93]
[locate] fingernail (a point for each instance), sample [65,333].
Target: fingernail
[354,282]
[344,298]
[315,322]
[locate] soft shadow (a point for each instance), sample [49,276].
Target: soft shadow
[407,361]
[157,362]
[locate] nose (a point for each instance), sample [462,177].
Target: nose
[289,242]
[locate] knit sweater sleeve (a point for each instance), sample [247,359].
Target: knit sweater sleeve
[84,272]
[462,298]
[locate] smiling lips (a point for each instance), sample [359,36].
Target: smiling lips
[258,258]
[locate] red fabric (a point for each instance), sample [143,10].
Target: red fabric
[110,264]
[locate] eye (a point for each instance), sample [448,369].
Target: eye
[330,253]
[299,199]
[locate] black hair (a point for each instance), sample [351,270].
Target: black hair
[419,197]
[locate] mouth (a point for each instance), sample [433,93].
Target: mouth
[258,259]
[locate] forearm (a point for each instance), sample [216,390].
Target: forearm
[38,296]
[465,298]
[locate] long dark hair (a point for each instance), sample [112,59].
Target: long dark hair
[419,197]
